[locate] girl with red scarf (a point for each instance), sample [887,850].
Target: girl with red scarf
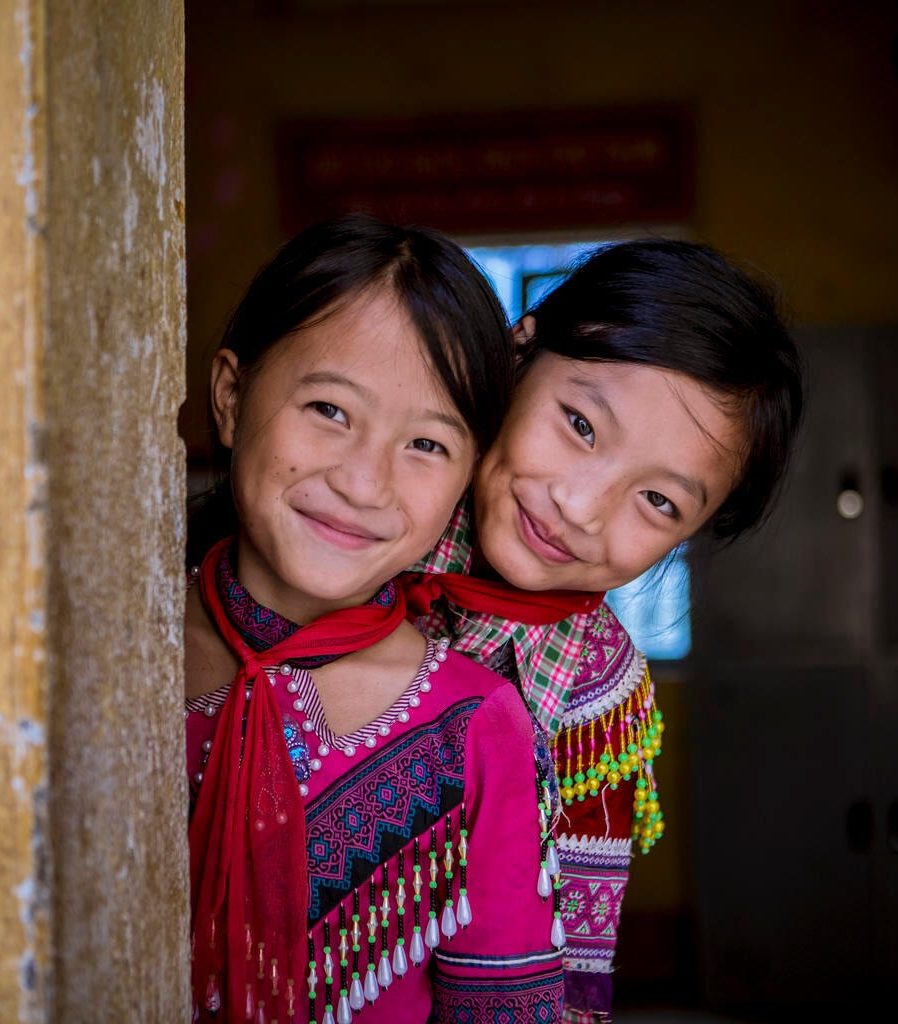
[658,397]
[370,832]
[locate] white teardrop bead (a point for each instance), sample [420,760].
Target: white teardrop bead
[356,995]
[400,961]
[432,934]
[344,1011]
[328,1017]
[553,865]
[558,936]
[544,884]
[384,972]
[463,914]
[416,950]
[372,989]
[447,922]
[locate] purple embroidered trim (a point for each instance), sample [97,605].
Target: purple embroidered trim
[590,909]
[535,999]
[263,627]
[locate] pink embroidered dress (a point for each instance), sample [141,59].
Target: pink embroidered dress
[589,688]
[426,842]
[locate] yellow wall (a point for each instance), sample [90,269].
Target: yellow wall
[796,104]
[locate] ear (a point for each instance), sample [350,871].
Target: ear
[225,394]
[524,330]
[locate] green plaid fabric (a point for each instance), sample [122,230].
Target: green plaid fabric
[547,657]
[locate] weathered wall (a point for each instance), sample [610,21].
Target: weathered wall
[91,494]
[24,918]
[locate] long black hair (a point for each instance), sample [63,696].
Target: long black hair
[463,329]
[683,306]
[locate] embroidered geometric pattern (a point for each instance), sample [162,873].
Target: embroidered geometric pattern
[590,909]
[610,668]
[263,627]
[536,999]
[373,812]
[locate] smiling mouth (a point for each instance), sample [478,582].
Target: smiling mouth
[347,536]
[541,542]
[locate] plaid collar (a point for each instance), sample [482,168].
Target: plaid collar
[547,657]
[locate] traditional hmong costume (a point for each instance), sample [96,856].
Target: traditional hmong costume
[426,834]
[590,690]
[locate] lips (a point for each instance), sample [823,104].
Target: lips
[338,532]
[541,541]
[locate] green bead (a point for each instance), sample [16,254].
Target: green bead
[591,773]
[567,781]
[579,777]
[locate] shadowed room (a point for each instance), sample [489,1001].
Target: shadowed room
[531,131]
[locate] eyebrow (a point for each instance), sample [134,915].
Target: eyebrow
[594,394]
[329,377]
[689,484]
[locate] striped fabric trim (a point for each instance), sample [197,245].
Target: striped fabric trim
[521,960]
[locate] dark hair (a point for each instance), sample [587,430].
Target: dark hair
[683,306]
[463,328]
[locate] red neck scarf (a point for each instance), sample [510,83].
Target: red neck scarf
[248,873]
[248,866]
[534,607]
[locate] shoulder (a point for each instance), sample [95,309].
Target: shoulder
[609,669]
[500,704]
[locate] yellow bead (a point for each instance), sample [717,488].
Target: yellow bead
[580,789]
[652,806]
[567,792]
[614,777]
[593,785]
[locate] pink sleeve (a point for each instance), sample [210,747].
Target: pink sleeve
[503,965]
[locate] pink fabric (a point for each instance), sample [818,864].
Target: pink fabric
[469,730]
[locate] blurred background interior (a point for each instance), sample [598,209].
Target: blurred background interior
[530,130]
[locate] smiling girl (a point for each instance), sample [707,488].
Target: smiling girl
[365,835]
[658,397]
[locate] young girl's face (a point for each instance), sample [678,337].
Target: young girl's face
[599,471]
[347,457]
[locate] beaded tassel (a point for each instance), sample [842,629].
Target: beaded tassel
[371,988]
[448,923]
[416,951]
[400,960]
[384,971]
[464,915]
[344,1010]
[328,965]
[630,741]
[312,981]
[432,934]
[544,880]
[356,995]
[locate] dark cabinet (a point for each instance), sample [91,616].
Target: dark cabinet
[793,709]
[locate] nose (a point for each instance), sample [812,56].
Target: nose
[363,477]
[584,500]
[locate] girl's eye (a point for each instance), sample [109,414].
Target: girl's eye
[329,411]
[581,426]
[664,505]
[424,444]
